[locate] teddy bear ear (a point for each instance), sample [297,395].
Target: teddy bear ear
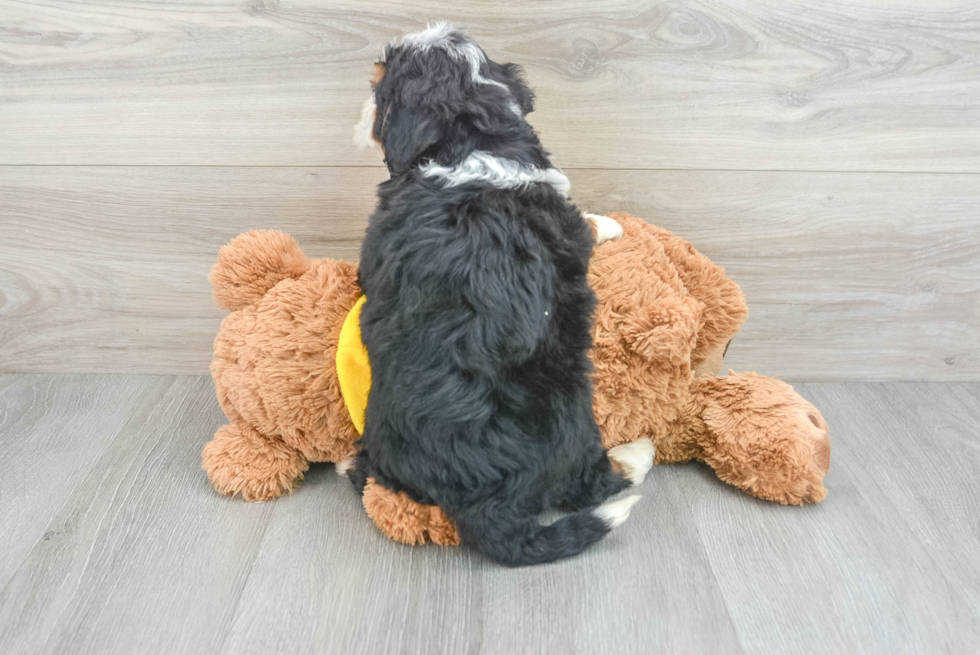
[251,264]
[663,332]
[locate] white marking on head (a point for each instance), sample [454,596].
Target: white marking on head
[364,130]
[502,173]
[433,36]
[438,37]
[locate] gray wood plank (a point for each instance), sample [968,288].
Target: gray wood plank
[154,559]
[106,268]
[778,84]
[53,433]
[157,562]
[142,556]
[649,587]
[848,276]
[915,452]
[849,574]
[326,581]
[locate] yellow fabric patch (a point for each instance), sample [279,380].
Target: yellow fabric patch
[354,367]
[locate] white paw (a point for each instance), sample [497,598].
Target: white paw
[636,459]
[616,512]
[344,467]
[605,228]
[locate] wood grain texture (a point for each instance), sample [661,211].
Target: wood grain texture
[107,267]
[363,594]
[869,569]
[777,84]
[139,559]
[139,555]
[53,434]
[848,276]
[922,462]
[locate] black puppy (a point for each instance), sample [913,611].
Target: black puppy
[478,312]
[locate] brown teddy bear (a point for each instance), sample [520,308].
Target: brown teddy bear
[292,376]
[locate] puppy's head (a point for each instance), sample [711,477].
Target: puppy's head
[436,95]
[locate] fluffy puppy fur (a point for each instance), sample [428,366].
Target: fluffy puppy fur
[478,310]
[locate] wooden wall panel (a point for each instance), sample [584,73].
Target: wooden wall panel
[777,84]
[848,276]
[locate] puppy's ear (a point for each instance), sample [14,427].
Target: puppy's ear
[405,135]
[513,76]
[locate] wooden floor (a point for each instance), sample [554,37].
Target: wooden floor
[112,541]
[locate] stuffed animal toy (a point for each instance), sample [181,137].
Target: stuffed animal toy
[293,378]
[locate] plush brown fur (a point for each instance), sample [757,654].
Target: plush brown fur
[404,520]
[274,365]
[665,317]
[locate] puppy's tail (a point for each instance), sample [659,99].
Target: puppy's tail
[522,541]
[251,264]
